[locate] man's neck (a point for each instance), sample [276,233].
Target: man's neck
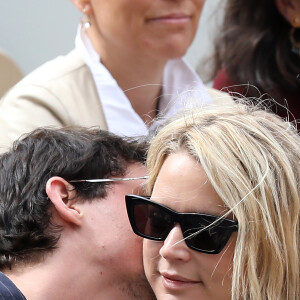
[58,276]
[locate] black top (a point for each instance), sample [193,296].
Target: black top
[8,291]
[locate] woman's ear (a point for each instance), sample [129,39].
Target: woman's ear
[84,6]
[290,10]
[62,195]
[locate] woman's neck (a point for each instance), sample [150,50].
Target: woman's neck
[139,76]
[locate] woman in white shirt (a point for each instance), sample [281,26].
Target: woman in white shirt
[126,67]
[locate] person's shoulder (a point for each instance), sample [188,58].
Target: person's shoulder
[61,78]
[8,290]
[220,98]
[54,70]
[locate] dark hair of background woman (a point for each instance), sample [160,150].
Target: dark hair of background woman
[254,47]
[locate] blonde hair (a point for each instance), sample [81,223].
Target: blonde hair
[252,159]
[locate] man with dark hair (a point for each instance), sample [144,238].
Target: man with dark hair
[64,232]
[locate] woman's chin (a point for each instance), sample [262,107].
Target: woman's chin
[171,53]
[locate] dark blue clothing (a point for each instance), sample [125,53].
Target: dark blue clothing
[8,291]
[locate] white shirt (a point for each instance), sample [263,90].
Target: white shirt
[181,88]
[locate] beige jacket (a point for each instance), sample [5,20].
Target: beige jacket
[59,93]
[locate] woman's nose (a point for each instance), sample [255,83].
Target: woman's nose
[174,247]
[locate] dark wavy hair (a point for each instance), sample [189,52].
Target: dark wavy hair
[26,229]
[254,47]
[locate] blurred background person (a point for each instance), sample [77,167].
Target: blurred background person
[257,52]
[127,67]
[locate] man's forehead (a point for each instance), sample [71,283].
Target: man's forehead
[136,169]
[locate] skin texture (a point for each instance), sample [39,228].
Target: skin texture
[97,256]
[115,251]
[174,270]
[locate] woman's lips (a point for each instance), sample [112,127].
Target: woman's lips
[177,282]
[171,19]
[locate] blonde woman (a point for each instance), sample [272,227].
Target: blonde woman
[222,222]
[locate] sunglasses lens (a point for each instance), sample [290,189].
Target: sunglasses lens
[152,221]
[211,239]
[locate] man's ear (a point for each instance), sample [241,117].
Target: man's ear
[290,11]
[62,194]
[84,6]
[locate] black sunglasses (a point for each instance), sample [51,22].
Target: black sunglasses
[154,221]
